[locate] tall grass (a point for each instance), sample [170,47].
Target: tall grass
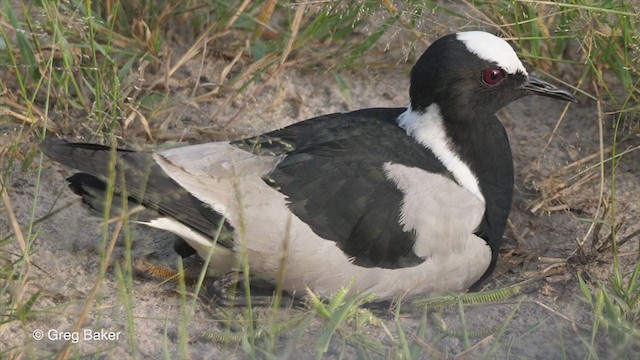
[604,41]
[76,68]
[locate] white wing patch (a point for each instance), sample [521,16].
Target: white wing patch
[442,214]
[427,129]
[492,48]
[212,172]
[220,158]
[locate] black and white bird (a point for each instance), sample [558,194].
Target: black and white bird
[393,201]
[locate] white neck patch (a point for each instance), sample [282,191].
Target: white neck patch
[428,129]
[492,48]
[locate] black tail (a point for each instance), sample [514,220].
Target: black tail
[139,177]
[132,168]
[94,194]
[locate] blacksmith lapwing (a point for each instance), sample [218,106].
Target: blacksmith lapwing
[395,201]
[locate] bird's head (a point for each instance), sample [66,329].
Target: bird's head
[474,72]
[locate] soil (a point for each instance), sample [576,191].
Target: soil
[548,319]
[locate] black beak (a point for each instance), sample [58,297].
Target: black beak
[536,86]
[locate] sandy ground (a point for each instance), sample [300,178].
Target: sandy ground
[549,317]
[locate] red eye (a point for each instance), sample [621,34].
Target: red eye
[493,76]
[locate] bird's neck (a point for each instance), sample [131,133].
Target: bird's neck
[483,145]
[475,151]
[428,129]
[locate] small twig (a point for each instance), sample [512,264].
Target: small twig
[607,245]
[295,27]
[517,237]
[431,350]
[598,228]
[237,14]
[468,354]
[602,172]
[559,192]
[51,126]
[265,14]
[143,120]
[551,260]
[556,313]
[197,46]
